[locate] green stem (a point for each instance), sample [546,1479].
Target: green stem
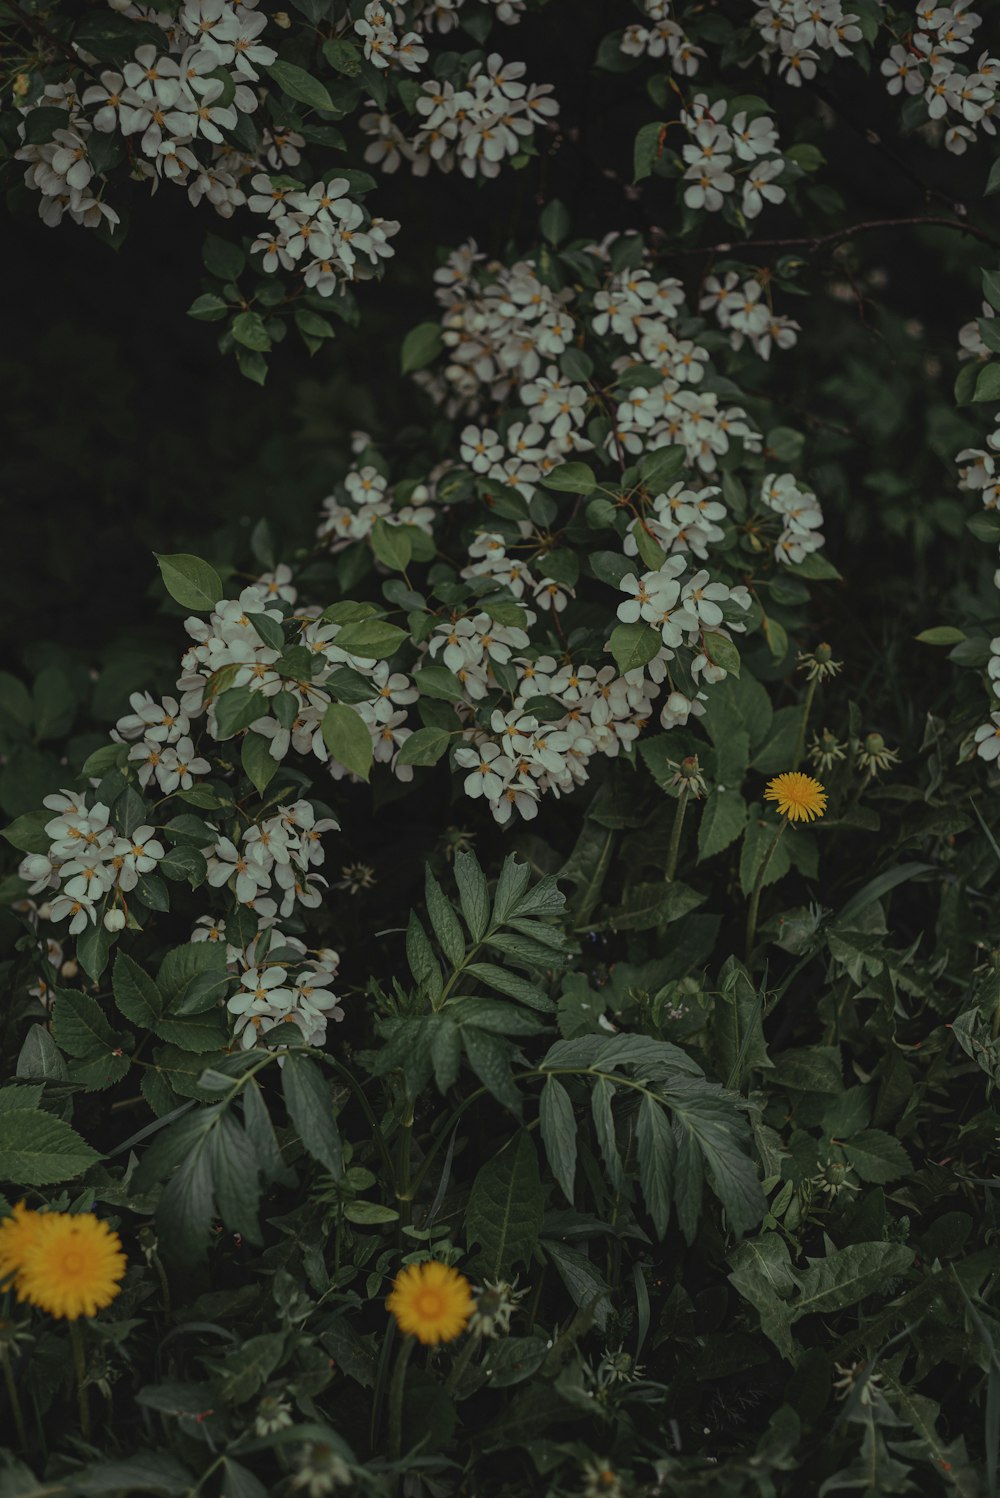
[404,1193]
[755,897]
[14,1399]
[459,1366]
[675,835]
[80,1371]
[161,1275]
[396,1389]
[800,742]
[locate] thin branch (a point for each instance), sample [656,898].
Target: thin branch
[40,29]
[817,241]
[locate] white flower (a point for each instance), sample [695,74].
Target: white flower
[488,767]
[140,852]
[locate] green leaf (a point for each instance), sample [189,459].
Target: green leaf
[505,1208]
[437,682]
[80,1025]
[347,738]
[27,833]
[712,1133]
[722,820]
[721,652]
[446,925]
[39,1150]
[490,1059]
[558,1128]
[737,1025]
[657,1156]
[194,584]
[248,328]
[601,1096]
[392,545]
[756,842]
[646,149]
[941,634]
[343,57]
[849,1275]
[993,180]
[93,947]
[223,258]
[633,645]
[987,386]
[236,709]
[762,1273]
[259,764]
[876,1156]
[252,364]
[425,746]
[300,85]
[570,478]
[136,995]
[991,288]
[473,894]
[371,639]
[208,308]
[420,347]
[309,1101]
[581,1279]
[659,469]
[554,222]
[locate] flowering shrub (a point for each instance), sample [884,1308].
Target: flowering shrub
[500,980]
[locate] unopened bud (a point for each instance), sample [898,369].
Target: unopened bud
[70,968]
[114,920]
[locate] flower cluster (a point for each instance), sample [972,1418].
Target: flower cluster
[87,861]
[475,121]
[796,32]
[744,309]
[929,62]
[725,158]
[274,994]
[660,36]
[800,514]
[320,232]
[172,102]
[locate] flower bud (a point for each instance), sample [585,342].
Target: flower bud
[114,920]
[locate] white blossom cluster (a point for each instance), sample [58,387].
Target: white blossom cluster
[800,515]
[87,860]
[661,36]
[744,310]
[350,513]
[297,990]
[981,471]
[737,160]
[320,232]
[981,475]
[169,101]
[503,329]
[930,62]
[444,15]
[496,333]
[490,117]
[796,32]
[970,340]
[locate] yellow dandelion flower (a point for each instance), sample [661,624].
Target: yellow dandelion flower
[72,1266]
[799,797]
[17,1233]
[431,1301]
